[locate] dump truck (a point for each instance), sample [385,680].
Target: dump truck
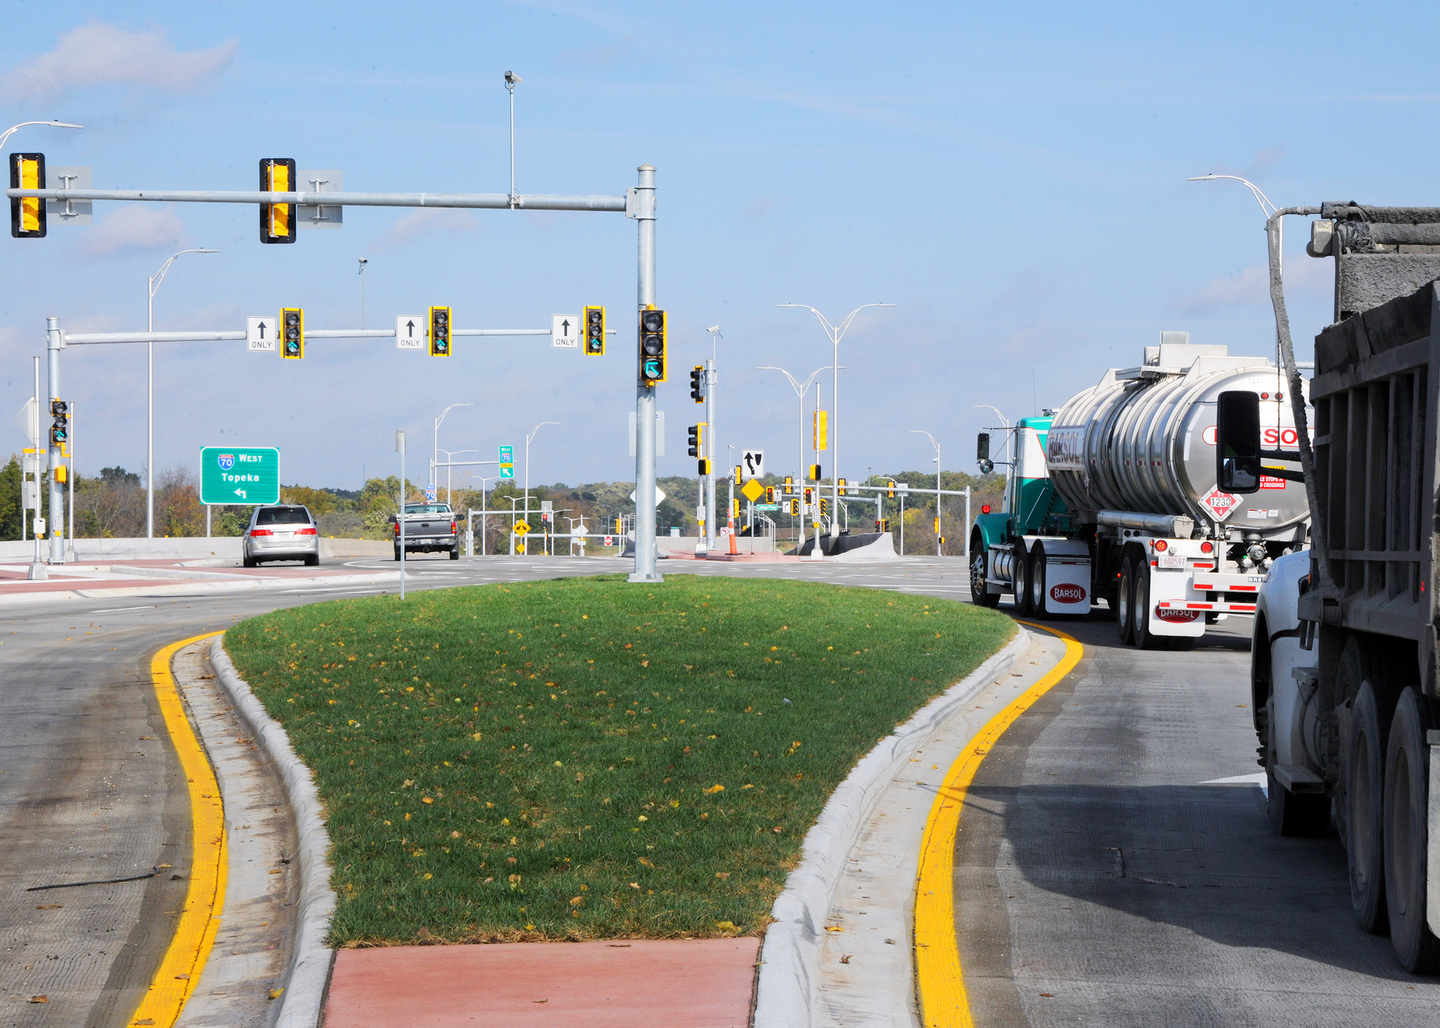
[1113,497]
[1344,658]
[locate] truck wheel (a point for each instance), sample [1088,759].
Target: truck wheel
[1020,581]
[1407,774]
[1291,814]
[455,553]
[980,594]
[1141,613]
[1364,795]
[397,553]
[1038,607]
[1125,602]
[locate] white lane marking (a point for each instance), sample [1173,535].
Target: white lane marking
[1256,779]
[116,610]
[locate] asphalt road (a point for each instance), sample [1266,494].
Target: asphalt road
[1093,865]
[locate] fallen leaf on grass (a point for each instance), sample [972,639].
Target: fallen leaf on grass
[714,789]
[722,874]
[275,993]
[833,928]
[725,926]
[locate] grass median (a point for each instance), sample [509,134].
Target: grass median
[587,758]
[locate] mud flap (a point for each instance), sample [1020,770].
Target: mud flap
[1432,841]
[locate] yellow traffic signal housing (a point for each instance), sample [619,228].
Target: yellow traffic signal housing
[794,508]
[27,216]
[891,490]
[769,494]
[822,431]
[815,475]
[277,220]
[883,525]
[60,473]
[594,322]
[840,484]
[652,347]
[438,331]
[735,508]
[738,472]
[292,333]
[824,507]
[809,496]
[704,466]
[789,485]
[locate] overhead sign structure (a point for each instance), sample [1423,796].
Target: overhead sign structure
[565,331]
[507,462]
[260,334]
[239,475]
[410,332]
[752,464]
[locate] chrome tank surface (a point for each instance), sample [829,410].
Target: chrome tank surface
[1143,440]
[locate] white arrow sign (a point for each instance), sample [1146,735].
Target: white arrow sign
[565,331]
[260,335]
[26,420]
[659,495]
[752,464]
[240,493]
[410,332]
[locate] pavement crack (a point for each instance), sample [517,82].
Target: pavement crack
[101,881]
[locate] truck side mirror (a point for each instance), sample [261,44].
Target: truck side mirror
[1237,442]
[982,447]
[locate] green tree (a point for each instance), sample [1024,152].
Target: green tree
[10,512]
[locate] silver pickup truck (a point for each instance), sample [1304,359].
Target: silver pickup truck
[429,528]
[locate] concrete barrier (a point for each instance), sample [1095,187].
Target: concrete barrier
[92,551]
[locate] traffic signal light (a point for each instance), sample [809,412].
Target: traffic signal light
[738,472]
[439,331]
[883,525]
[703,466]
[937,526]
[824,507]
[815,475]
[27,216]
[769,494]
[292,333]
[619,526]
[60,430]
[809,496]
[840,484]
[735,508]
[697,383]
[696,437]
[277,220]
[789,485]
[594,321]
[652,347]
[822,431]
[891,489]
[794,506]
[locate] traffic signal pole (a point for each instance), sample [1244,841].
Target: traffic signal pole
[644,393]
[56,505]
[710,512]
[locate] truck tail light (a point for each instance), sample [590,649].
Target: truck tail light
[260,531]
[1207,547]
[452,528]
[1161,546]
[397,528]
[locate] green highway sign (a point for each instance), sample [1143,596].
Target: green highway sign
[239,474]
[507,462]
[767,507]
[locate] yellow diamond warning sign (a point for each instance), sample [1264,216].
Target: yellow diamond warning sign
[521,528]
[752,489]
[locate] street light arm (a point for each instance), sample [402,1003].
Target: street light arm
[1266,207]
[1003,420]
[53,124]
[538,428]
[846,323]
[927,435]
[159,276]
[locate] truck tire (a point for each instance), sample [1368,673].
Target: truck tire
[1141,608]
[1364,799]
[1125,602]
[1020,581]
[1291,814]
[1038,607]
[397,553]
[980,593]
[1407,775]
[455,553]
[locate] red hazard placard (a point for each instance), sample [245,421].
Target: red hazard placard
[1222,505]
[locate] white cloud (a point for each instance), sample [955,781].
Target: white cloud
[134,225]
[100,54]
[1251,287]
[424,222]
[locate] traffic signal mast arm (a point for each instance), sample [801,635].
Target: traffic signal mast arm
[484,201]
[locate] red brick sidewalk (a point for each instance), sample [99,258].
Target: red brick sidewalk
[691,983]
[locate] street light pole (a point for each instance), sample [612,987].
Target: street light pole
[927,435]
[450,456]
[527,464]
[835,332]
[800,391]
[709,498]
[153,286]
[435,458]
[363,263]
[53,124]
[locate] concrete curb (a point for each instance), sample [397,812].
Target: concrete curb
[786,994]
[302,1002]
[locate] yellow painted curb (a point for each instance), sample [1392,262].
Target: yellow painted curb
[939,978]
[180,968]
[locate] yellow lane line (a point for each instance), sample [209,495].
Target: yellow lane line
[938,975]
[180,968]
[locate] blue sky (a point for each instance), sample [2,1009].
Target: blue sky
[1012,177]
